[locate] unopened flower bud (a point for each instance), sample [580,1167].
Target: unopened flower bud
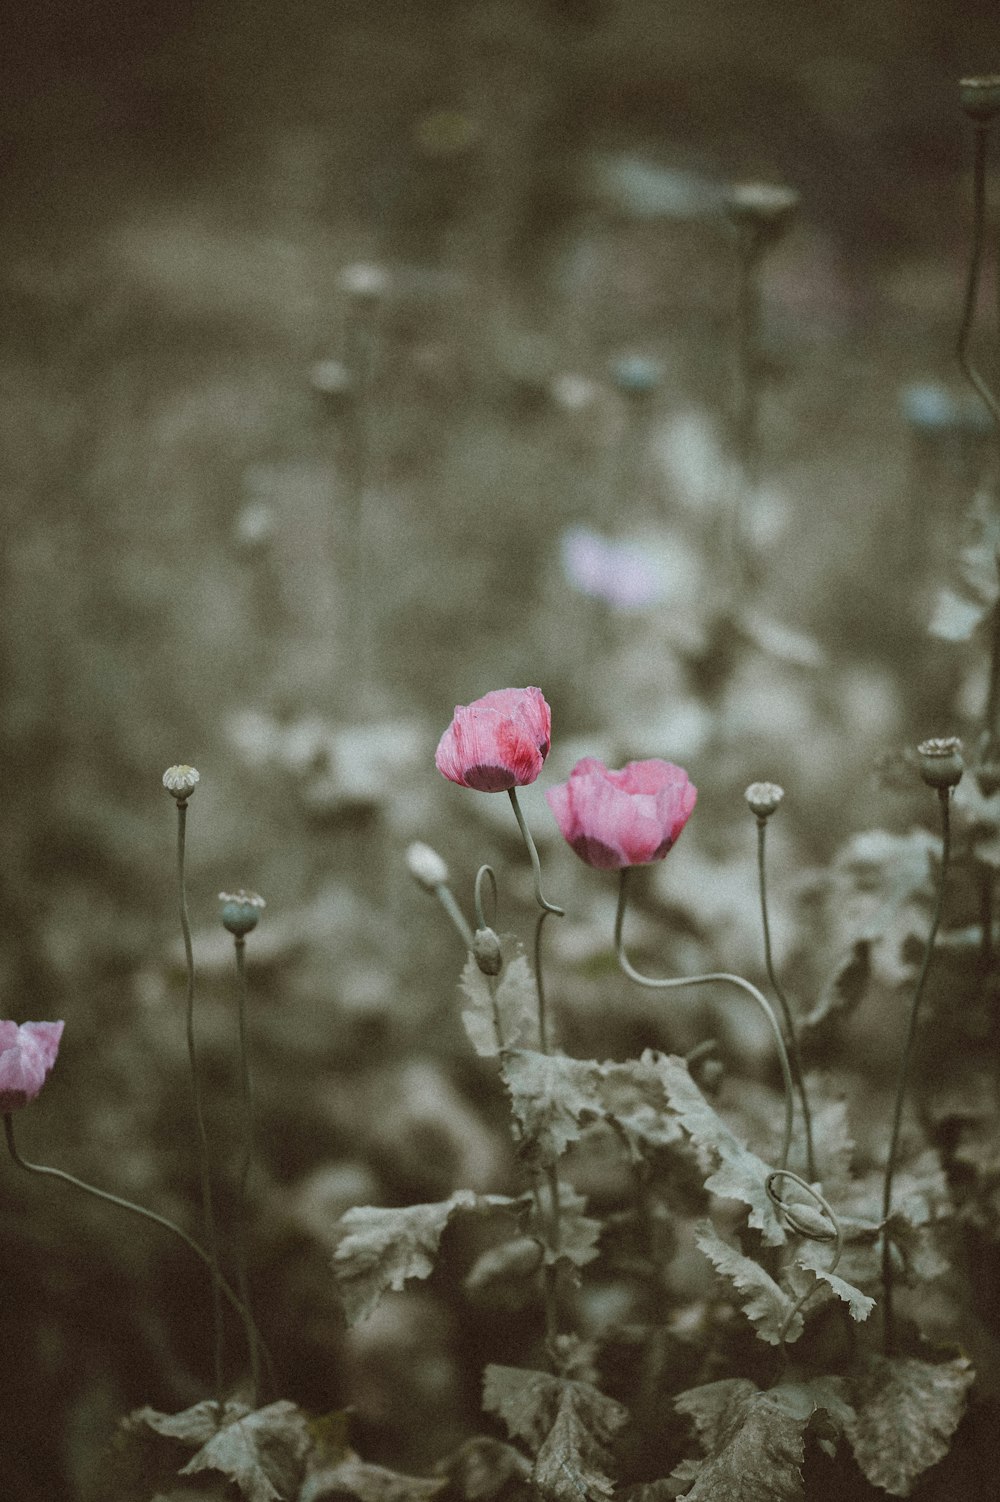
[181,781]
[426,866]
[486,949]
[240,911]
[941,764]
[980,97]
[806,1220]
[763,798]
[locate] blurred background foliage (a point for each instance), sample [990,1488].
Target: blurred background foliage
[272,515]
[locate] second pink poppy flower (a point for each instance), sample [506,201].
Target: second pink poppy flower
[626,818]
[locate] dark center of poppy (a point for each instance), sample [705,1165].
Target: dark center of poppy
[488,779]
[596,853]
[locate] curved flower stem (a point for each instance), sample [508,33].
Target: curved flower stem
[208,1213]
[482,875]
[972,374]
[659,983]
[795,1055]
[123,1204]
[246,1157]
[888,1332]
[536,868]
[836,1235]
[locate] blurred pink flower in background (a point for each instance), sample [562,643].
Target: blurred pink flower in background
[626,818]
[497,742]
[27,1053]
[619,573]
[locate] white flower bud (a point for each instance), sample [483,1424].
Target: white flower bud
[426,866]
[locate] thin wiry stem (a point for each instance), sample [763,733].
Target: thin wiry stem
[446,897]
[972,374]
[888,1332]
[723,977]
[536,869]
[124,1204]
[208,1213]
[795,1055]
[246,1158]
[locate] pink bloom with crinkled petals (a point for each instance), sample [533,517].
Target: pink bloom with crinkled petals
[27,1053]
[497,742]
[626,818]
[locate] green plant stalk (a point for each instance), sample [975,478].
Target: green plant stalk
[246,1157]
[208,1213]
[446,898]
[795,1054]
[888,1331]
[551,1170]
[722,977]
[747,424]
[123,1204]
[970,371]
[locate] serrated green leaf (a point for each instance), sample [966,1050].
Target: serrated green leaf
[262,1452]
[382,1248]
[906,1412]
[528,1401]
[508,1001]
[753,1441]
[811,1261]
[765,1304]
[552,1097]
[368,1483]
[741,1175]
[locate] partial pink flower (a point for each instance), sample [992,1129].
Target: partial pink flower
[27,1053]
[626,818]
[497,742]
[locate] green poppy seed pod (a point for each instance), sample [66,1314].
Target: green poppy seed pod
[486,949]
[240,911]
[763,798]
[941,764]
[181,781]
[980,97]
[426,866]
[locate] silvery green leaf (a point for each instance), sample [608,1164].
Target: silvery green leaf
[382,1248]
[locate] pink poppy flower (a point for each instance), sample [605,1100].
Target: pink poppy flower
[27,1053]
[626,818]
[498,742]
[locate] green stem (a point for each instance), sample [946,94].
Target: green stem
[246,1157]
[124,1204]
[972,374]
[536,868]
[723,977]
[795,1055]
[552,1170]
[208,1213]
[944,795]
[446,898]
